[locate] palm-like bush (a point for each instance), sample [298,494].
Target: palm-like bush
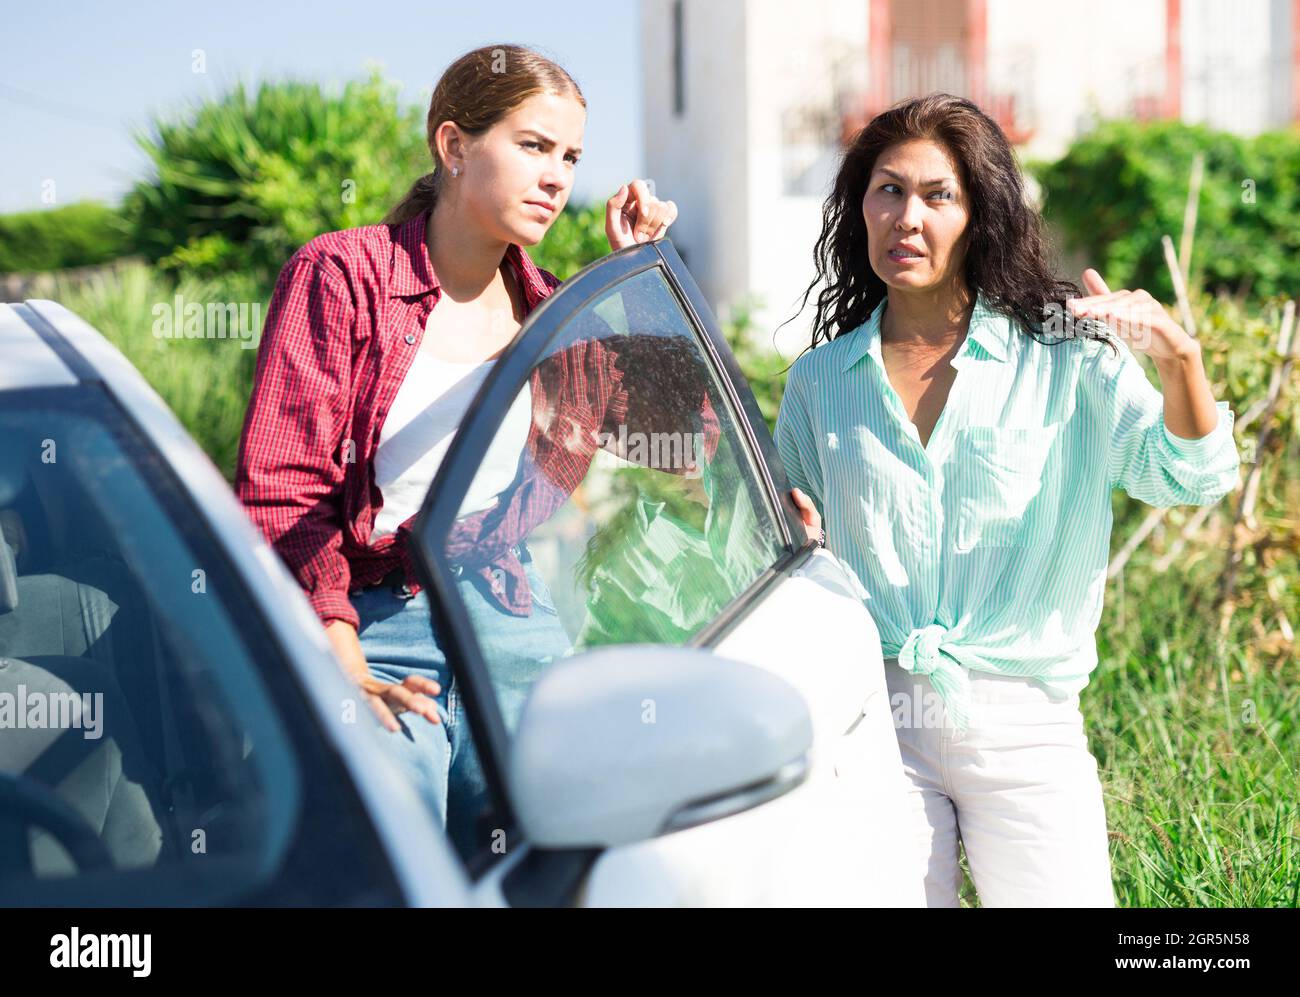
[243,181]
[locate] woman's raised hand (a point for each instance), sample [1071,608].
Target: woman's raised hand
[1135,316]
[635,215]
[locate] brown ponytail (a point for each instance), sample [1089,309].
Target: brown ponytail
[476,91]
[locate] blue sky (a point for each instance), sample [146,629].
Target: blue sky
[77,79]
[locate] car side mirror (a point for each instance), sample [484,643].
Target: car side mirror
[625,743]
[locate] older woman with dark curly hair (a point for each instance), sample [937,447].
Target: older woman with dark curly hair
[962,428]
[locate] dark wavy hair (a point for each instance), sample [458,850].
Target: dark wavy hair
[1006,256]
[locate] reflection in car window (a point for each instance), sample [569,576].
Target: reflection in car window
[146,742]
[636,513]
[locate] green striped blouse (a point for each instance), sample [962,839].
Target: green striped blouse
[987,548]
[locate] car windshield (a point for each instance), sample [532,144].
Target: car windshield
[617,503]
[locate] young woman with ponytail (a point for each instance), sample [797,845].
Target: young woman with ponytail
[375,341]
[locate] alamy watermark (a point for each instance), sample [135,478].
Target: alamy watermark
[102,951]
[662,451]
[35,710]
[1133,324]
[918,709]
[181,319]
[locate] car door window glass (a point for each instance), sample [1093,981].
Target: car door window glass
[636,508]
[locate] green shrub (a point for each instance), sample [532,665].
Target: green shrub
[1239,349]
[1117,190]
[762,366]
[575,239]
[242,182]
[81,234]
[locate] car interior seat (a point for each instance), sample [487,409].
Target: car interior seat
[64,636]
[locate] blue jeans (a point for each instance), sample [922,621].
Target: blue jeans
[441,760]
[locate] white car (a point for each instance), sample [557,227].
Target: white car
[175,731]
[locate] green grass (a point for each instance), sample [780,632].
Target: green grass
[1198,755]
[1198,759]
[205,382]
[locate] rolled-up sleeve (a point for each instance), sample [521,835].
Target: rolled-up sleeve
[796,442]
[292,452]
[1148,461]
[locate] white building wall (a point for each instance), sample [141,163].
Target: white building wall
[1227,64]
[699,160]
[1073,63]
[753,69]
[800,68]
[1281,33]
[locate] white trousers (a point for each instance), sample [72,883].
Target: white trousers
[1018,788]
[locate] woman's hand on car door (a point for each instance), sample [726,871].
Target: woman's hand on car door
[812,520]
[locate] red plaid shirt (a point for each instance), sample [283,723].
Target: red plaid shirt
[344,324]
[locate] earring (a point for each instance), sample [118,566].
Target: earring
[455,171]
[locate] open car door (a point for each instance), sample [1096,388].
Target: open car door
[699,715]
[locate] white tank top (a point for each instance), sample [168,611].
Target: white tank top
[419,428]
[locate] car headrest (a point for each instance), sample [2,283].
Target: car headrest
[8,579]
